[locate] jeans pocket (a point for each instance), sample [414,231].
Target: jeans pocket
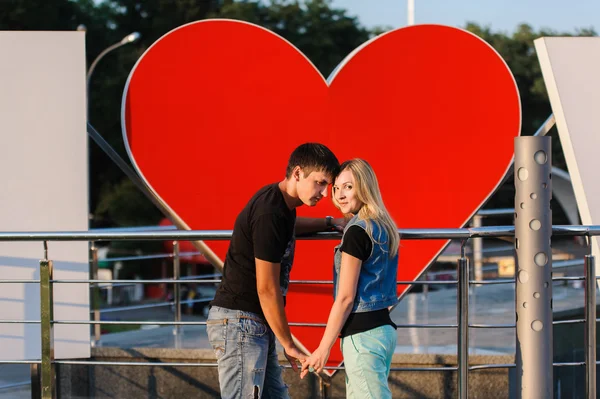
[217,336]
[252,327]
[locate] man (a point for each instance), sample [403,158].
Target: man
[247,313]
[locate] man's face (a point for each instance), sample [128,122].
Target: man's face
[312,188]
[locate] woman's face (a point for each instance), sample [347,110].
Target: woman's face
[345,193]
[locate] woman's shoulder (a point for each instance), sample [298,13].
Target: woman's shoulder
[356,221]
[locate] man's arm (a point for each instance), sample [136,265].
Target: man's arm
[271,302]
[305,225]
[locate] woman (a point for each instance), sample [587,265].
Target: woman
[365,269]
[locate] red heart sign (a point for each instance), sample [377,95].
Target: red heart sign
[213,109]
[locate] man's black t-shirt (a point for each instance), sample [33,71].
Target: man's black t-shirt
[264,230]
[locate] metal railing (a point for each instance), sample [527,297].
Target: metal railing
[47,362]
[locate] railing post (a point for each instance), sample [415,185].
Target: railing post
[533,231]
[463,325]
[477,244]
[48,390]
[95,292]
[176,286]
[323,385]
[36,388]
[590,326]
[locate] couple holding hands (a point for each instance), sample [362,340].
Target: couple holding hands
[247,313]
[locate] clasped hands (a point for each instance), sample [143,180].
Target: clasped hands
[313,363]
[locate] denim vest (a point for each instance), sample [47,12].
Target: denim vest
[378,274]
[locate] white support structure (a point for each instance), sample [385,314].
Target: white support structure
[44,175]
[570,67]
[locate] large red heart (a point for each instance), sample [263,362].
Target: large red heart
[213,109]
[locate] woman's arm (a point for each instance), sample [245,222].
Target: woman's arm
[348,281]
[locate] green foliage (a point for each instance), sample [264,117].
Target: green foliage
[324,33]
[519,53]
[122,203]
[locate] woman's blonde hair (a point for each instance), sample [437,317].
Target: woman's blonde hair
[373,210]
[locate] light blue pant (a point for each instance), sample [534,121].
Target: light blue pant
[367,360]
[246,355]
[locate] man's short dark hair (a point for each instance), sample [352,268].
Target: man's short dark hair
[313,157]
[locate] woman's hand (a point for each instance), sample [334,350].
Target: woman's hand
[315,362]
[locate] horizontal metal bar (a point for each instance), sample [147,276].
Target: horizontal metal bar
[20,321]
[571,364]
[165,364]
[512,365]
[448,368]
[556,322]
[199,300]
[308,324]
[131,282]
[188,235]
[492,366]
[293,324]
[19,281]
[179,364]
[132,229]
[574,321]
[153,305]
[490,282]
[193,235]
[133,323]
[124,283]
[496,212]
[427,325]
[145,257]
[201,277]
[476,325]
[566,263]
[197,323]
[568,278]
[20,362]
[183,281]
[15,385]
[427,282]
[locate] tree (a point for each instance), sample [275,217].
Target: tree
[519,53]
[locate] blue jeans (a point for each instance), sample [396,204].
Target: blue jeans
[367,360]
[246,355]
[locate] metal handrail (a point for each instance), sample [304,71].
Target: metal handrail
[294,324]
[463,234]
[192,235]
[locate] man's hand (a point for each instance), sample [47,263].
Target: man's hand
[339,224]
[293,354]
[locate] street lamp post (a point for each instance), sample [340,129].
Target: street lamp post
[410,12]
[130,38]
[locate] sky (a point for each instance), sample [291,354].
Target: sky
[500,15]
